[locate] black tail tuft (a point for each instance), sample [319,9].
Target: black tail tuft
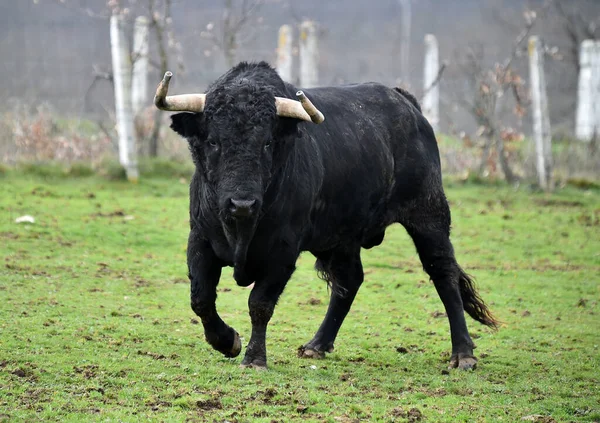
[472,302]
[324,275]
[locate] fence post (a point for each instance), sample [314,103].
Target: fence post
[431,87]
[122,76]
[541,121]
[405,42]
[284,53]
[139,83]
[309,55]
[587,122]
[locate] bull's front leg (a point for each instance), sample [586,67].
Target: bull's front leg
[261,305]
[204,269]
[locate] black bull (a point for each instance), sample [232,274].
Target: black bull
[268,187]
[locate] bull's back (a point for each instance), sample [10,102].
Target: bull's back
[371,143]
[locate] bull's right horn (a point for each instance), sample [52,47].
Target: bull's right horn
[303,109]
[177,103]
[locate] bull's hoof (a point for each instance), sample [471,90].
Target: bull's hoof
[463,361]
[236,348]
[309,352]
[256,364]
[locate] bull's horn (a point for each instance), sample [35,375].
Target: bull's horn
[302,109]
[177,103]
[315,115]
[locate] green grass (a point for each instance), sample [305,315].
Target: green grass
[95,323]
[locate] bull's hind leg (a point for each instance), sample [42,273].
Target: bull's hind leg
[429,227]
[343,270]
[204,272]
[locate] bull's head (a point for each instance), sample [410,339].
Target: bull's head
[234,132]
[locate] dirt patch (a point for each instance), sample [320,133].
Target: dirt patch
[25,372]
[115,213]
[538,418]
[411,416]
[17,268]
[582,302]
[589,219]
[155,356]
[209,404]
[156,404]
[557,203]
[88,371]
[141,283]
[345,377]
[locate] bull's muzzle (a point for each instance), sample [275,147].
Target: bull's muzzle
[242,208]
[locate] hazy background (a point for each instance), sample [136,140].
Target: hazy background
[52,50]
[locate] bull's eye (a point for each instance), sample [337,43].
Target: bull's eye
[212,142]
[268,144]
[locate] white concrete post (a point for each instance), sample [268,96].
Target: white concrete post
[139,84]
[121,60]
[587,122]
[405,42]
[284,53]
[309,55]
[541,121]
[431,87]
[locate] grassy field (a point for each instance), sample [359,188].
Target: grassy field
[95,323]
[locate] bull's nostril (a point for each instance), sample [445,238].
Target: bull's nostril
[242,208]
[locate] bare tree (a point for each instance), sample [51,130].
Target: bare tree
[161,26]
[235,28]
[490,86]
[158,13]
[576,27]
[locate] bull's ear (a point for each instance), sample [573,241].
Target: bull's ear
[186,124]
[288,128]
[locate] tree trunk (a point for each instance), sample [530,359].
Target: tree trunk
[122,76]
[309,55]
[431,98]
[508,173]
[588,104]
[139,85]
[164,67]
[284,53]
[485,155]
[405,42]
[541,120]
[139,78]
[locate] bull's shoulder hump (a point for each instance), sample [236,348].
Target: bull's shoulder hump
[366,93]
[348,88]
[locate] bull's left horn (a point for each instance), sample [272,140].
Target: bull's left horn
[315,115]
[303,109]
[177,103]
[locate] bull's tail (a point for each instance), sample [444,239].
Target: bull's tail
[472,302]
